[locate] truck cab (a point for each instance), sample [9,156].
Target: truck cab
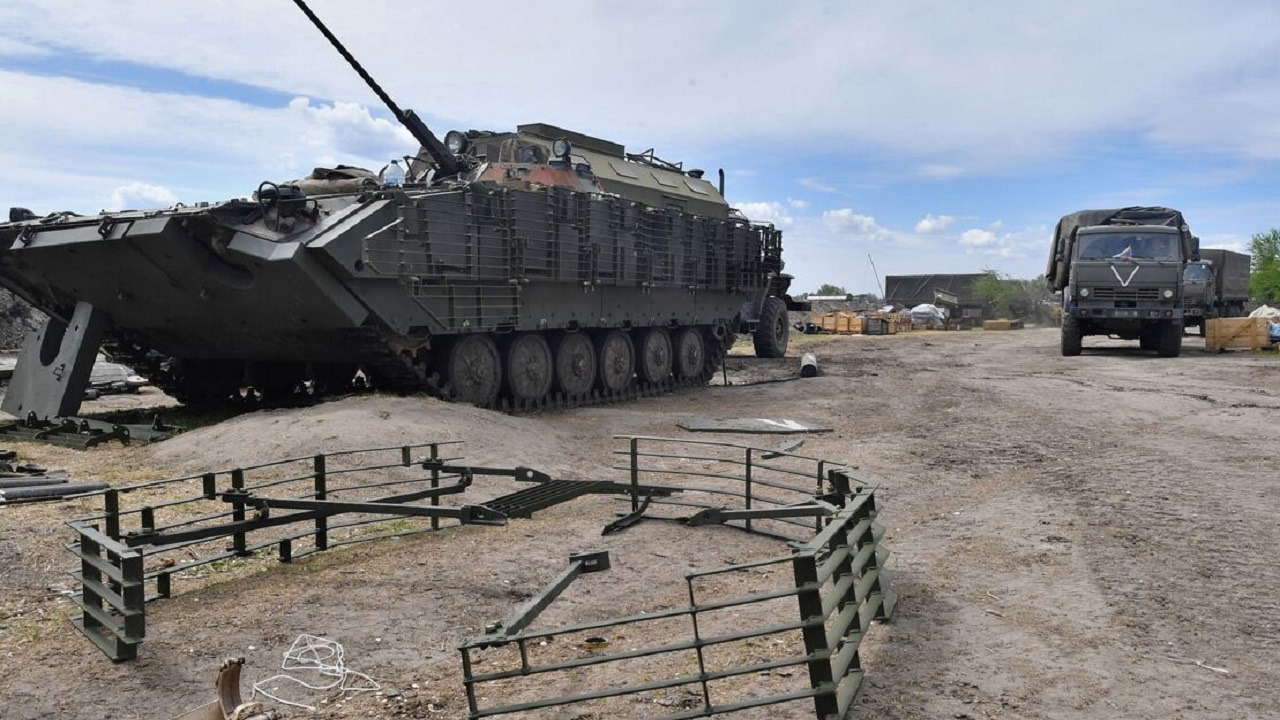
[1120,273]
[1197,293]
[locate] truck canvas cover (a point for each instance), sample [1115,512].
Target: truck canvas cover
[1058,269]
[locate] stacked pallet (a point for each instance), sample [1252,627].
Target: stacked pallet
[840,322]
[1236,334]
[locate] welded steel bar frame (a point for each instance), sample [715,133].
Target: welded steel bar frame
[111,547]
[839,587]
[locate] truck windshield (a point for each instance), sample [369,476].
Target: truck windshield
[1128,246]
[1197,273]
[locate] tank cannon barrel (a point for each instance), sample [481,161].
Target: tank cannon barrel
[408,118]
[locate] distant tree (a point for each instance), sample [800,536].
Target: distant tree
[1264,277]
[829,289]
[1013,297]
[996,291]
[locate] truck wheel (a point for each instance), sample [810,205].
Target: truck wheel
[773,331]
[1072,336]
[1170,343]
[1149,336]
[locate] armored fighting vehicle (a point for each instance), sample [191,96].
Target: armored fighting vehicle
[507,268]
[1120,274]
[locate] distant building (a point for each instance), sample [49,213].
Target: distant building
[911,290]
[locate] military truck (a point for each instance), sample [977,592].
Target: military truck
[1216,286]
[1120,274]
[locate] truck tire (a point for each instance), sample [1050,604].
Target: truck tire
[1072,336]
[1170,342]
[1149,336]
[773,331]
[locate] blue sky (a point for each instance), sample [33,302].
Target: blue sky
[934,136]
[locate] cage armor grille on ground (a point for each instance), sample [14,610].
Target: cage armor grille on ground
[129,556]
[836,583]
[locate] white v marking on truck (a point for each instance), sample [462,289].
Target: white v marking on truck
[1125,282]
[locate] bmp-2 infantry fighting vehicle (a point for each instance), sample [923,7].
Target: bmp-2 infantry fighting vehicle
[1120,274]
[509,268]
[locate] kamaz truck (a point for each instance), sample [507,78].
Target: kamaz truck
[1217,286]
[1120,274]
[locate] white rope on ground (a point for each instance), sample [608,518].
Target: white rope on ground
[319,655]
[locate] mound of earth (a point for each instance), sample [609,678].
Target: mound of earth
[372,421]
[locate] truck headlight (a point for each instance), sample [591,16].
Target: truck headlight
[1084,292]
[1168,294]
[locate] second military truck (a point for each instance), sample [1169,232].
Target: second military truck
[1217,286]
[1120,274]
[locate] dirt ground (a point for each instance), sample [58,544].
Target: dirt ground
[1073,537]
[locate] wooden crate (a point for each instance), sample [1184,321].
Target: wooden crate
[1236,333]
[1000,324]
[841,323]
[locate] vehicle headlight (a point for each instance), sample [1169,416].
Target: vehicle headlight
[1168,294]
[1084,292]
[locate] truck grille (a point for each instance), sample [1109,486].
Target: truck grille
[1126,294]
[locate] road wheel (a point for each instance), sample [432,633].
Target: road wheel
[1170,342]
[774,329]
[655,355]
[615,361]
[475,369]
[1072,336]
[575,364]
[529,367]
[691,353]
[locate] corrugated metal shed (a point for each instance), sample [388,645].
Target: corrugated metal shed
[911,290]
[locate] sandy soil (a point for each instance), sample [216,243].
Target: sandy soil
[1073,537]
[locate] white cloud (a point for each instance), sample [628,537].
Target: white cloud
[977,238]
[997,225]
[816,185]
[198,148]
[1234,243]
[845,220]
[954,89]
[139,196]
[1009,245]
[798,204]
[766,212]
[934,223]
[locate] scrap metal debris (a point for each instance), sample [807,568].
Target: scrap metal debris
[808,365]
[773,426]
[85,433]
[229,705]
[30,482]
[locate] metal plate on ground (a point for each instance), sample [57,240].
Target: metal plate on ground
[777,426]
